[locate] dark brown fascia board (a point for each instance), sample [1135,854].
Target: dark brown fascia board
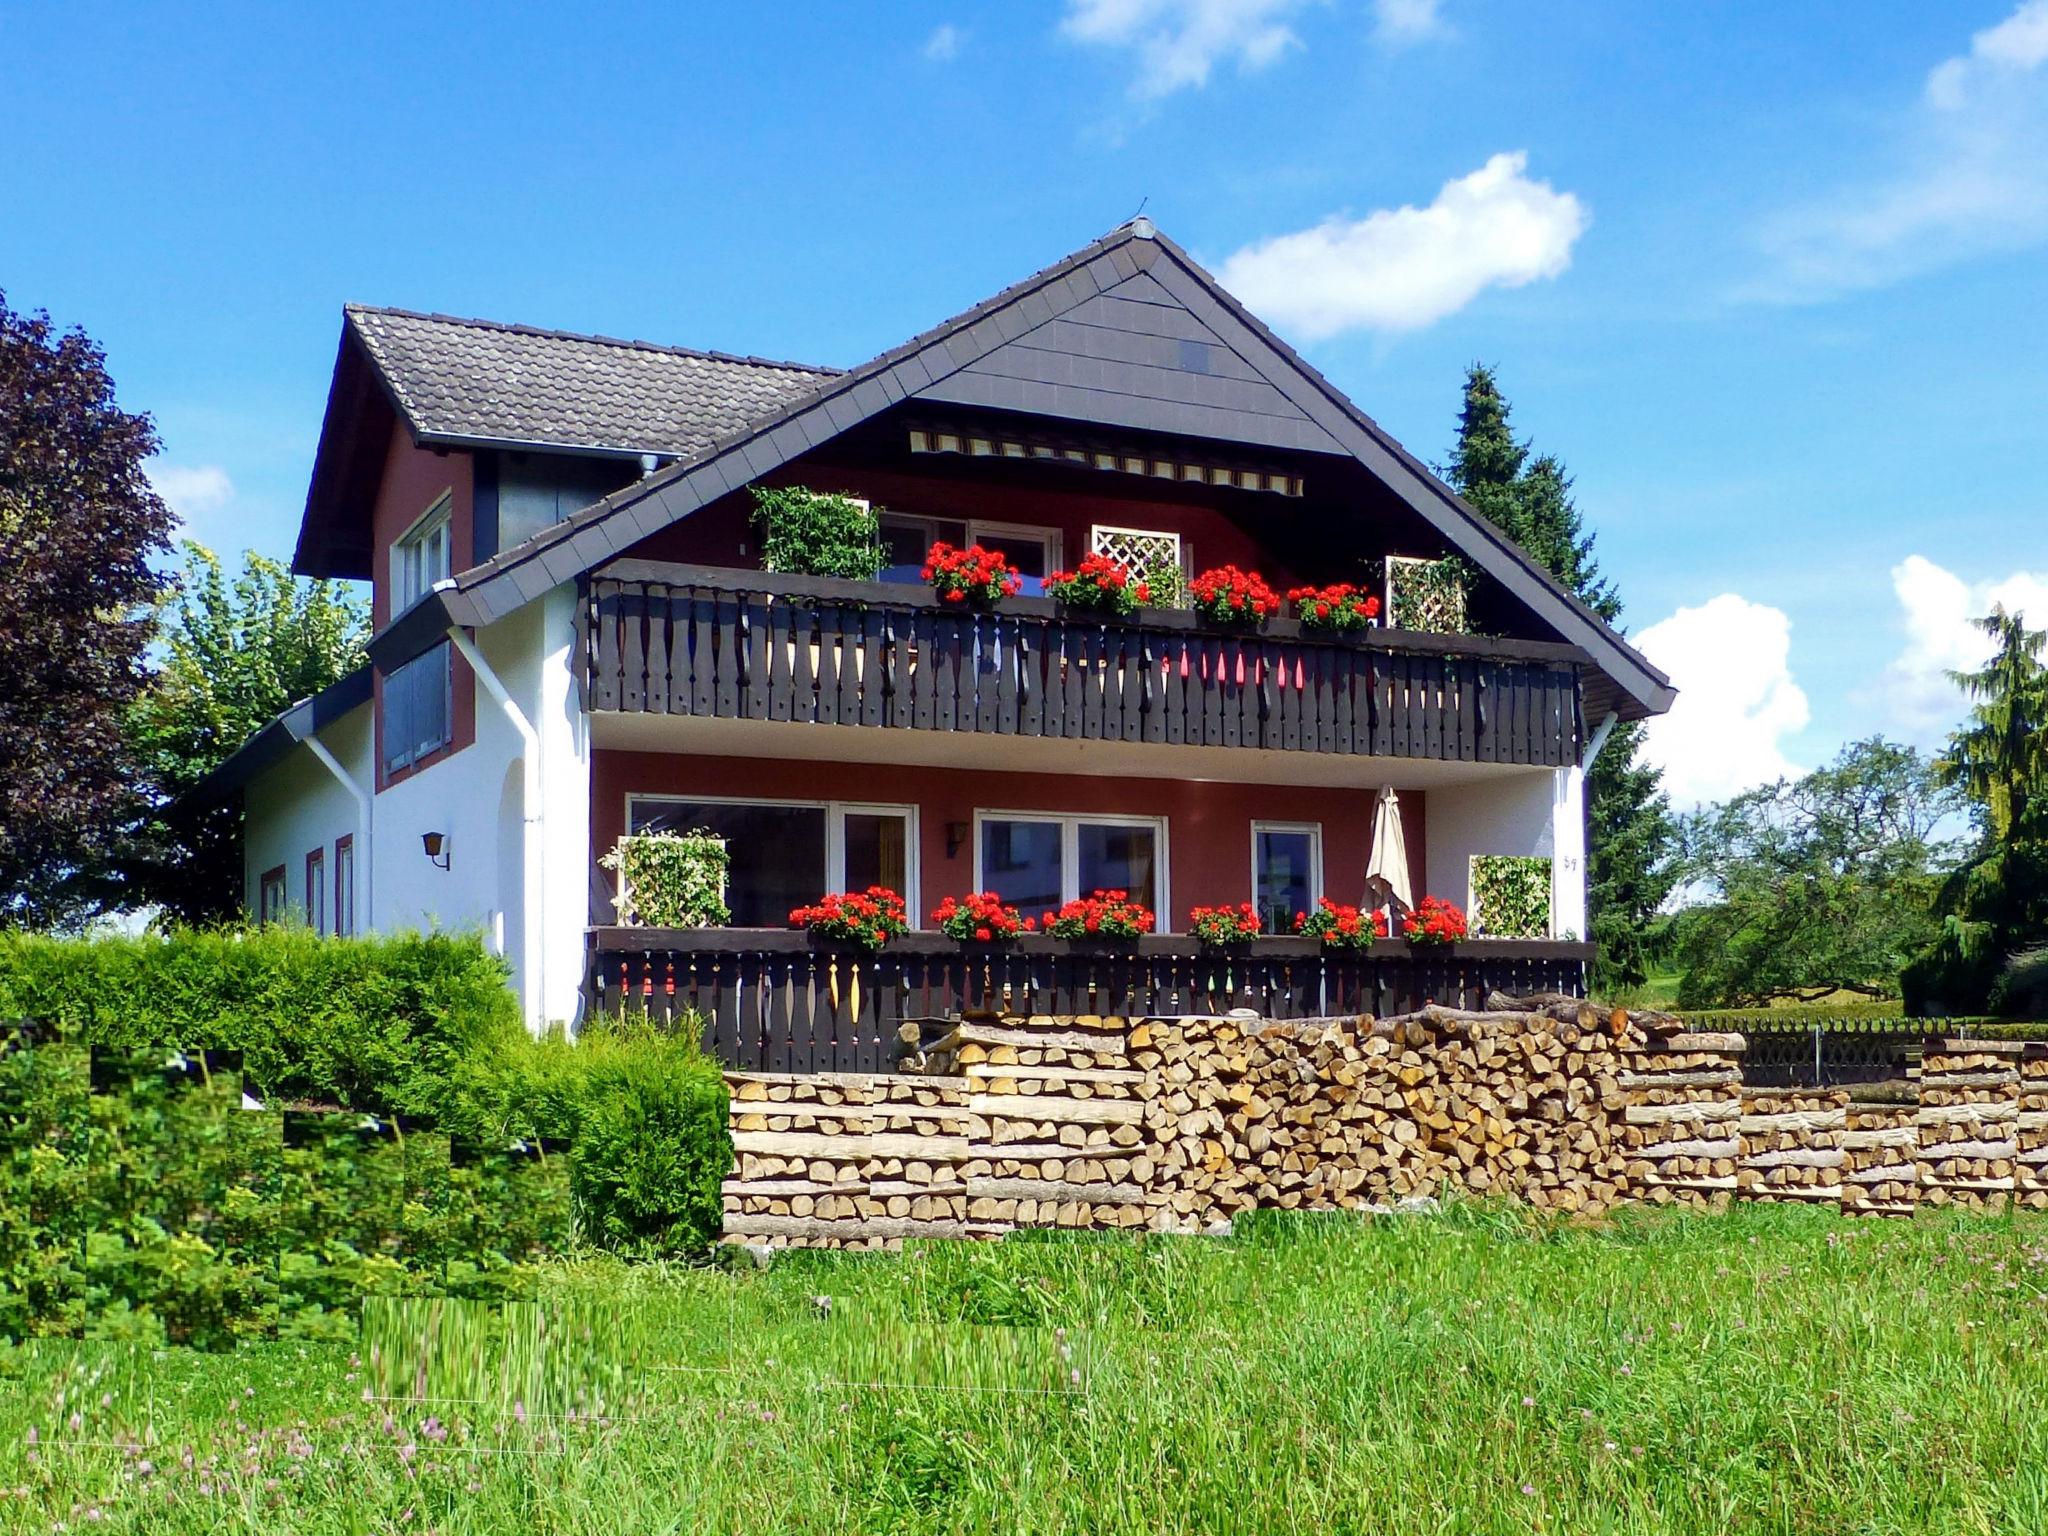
[425,622]
[507,582]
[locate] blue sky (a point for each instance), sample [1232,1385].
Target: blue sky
[1768,278]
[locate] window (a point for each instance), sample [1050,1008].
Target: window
[421,557]
[344,886]
[787,855]
[418,709]
[1033,551]
[1037,862]
[1287,871]
[316,890]
[270,896]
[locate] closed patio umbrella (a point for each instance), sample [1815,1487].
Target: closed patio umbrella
[1386,870]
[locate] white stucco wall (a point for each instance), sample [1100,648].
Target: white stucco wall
[299,806]
[1513,814]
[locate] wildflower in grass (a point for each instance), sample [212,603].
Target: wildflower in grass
[1529,1489]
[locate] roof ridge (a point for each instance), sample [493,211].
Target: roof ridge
[512,328]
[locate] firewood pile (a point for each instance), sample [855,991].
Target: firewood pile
[1880,1169]
[1792,1143]
[1059,1123]
[1969,1121]
[1682,1121]
[2033,1129]
[847,1160]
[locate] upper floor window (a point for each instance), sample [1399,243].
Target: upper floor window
[1032,551]
[422,556]
[419,709]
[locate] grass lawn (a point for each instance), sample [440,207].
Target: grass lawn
[1771,1370]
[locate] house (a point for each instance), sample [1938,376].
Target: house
[574,639]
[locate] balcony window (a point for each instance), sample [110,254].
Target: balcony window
[1037,862]
[1287,871]
[418,709]
[1033,551]
[788,854]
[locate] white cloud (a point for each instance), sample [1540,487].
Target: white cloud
[1178,42]
[1400,269]
[1731,661]
[1937,608]
[1966,176]
[944,43]
[192,490]
[1399,22]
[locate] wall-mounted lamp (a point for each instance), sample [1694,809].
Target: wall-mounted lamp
[957,833]
[436,845]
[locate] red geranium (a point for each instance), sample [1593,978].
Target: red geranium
[1341,926]
[1104,915]
[973,577]
[868,918]
[1228,595]
[1100,583]
[1218,926]
[1436,921]
[983,918]
[1339,609]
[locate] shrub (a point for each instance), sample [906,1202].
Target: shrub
[975,577]
[1219,926]
[646,1117]
[1103,915]
[868,919]
[672,879]
[1240,599]
[983,918]
[404,1024]
[1435,921]
[809,533]
[1511,895]
[1100,585]
[1341,926]
[1341,609]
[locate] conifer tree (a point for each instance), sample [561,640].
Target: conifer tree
[1631,837]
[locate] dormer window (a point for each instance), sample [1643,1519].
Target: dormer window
[421,557]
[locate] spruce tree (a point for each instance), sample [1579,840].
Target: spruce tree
[1630,833]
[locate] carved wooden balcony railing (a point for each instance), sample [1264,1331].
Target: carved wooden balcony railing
[742,645]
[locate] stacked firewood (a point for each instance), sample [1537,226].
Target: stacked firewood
[1969,1121]
[1058,1123]
[1792,1143]
[846,1160]
[1683,1120]
[1880,1172]
[2033,1128]
[1329,1113]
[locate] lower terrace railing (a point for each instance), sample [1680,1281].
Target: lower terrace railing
[740,645]
[771,1000]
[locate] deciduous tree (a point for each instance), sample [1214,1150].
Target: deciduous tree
[79,524]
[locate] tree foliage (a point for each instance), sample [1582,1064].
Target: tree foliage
[1995,903]
[235,653]
[1631,837]
[79,523]
[1814,885]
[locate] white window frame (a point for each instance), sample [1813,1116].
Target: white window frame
[1070,824]
[1314,829]
[977,527]
[345,886]
[274,908]
[316,889]
[410,581]
[836,812]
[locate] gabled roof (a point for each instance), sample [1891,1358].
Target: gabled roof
[479,382]
[1177,353]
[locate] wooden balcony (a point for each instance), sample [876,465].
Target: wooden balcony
[770,1000]
[744,645]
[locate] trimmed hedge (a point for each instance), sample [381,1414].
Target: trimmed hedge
[406,1024]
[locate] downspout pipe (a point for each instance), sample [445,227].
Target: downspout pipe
[366,886]
[533,952]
